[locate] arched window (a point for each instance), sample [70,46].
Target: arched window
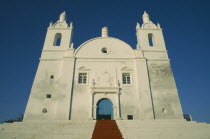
[150,39]
[57,40]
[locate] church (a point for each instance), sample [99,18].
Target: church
[104,77]
[104,88]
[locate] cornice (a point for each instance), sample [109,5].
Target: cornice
[53,50]
[55,59]
[158,59]
[155,51]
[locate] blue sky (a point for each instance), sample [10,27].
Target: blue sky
[186,29]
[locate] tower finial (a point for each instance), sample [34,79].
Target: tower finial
[51,24]
[104,32]
[72,45]
[71,25]
[158,26]
[138,26]
[145,17]
[62,17]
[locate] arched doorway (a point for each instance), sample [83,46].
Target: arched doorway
[104,109]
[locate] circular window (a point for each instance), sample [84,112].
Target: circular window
[105,50]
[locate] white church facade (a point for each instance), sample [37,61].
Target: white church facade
[73,84]
[104,89]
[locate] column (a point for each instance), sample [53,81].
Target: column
[115,112]
[94,112]
[91,105]
[118,107]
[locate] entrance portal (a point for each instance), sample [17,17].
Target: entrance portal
[104,109]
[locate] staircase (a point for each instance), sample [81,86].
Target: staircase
[106,129]
[163,129]
[47,130]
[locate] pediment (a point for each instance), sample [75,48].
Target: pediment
[126,69]
[83,68]
[60,25]
[149,25]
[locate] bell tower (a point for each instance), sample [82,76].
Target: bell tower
[50,97]
[164,94]
[59,35]
[149,35]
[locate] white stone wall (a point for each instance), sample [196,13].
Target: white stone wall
[106,70]
[151,94]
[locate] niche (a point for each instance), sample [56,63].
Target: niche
[48,96]
[51,76]
[151,39]
[57,39]
[44,110]
[164,110]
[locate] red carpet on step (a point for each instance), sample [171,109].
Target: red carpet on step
[106,129]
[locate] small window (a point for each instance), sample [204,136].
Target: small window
[130,117]
[57,40]
[44,110]
[48,96]
[51,76]
[82,78]
[150,39]
[126,78]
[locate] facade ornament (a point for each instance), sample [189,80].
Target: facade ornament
[62,17]
[147,23]
[93,83]
[82,68]
[105,79]
[145,17]
[61,23]
[138,26]
[71,25]
[158,26]
[72,46]
[118,83]
[51,24]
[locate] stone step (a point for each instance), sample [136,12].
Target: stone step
[164,130]
[46,130]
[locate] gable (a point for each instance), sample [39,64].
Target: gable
[104,47]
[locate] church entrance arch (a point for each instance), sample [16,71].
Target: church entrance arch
[104,109]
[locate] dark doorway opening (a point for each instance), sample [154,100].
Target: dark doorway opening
[104,117]
[104,109]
